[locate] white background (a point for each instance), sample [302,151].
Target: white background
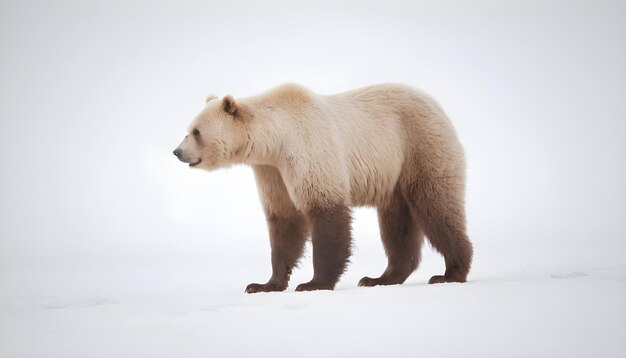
[96,211]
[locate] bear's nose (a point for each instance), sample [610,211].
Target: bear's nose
[178,152]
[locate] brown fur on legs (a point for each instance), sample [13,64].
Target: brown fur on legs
[331,246]
[402,240]
[287,239]
[445,229]
[458,260]
[288,229]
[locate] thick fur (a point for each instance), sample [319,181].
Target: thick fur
[314,157]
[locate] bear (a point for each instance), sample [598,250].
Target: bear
[314,157]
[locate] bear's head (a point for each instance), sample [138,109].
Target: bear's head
[217,135]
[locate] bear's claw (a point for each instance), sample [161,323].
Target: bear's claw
[314,286]
[267,287]
[381,281]
[444,279]
[368,282]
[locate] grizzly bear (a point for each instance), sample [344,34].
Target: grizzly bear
[315,156]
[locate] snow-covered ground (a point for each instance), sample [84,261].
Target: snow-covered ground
[199,313]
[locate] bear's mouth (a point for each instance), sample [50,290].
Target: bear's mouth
[196,163]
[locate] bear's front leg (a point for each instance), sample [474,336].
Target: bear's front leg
[331,246]
[287,239]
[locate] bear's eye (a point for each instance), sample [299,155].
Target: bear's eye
[196,133]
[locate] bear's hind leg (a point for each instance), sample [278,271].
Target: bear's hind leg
[445,229]
[332,239]
[402,240]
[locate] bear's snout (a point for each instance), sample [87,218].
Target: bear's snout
[185,158]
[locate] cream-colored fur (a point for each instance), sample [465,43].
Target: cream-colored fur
[352,148]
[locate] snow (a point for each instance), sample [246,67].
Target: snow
[194,314]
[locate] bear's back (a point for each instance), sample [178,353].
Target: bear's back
[371,141]
[363,137]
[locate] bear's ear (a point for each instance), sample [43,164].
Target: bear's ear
[209,98]
[229,105]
